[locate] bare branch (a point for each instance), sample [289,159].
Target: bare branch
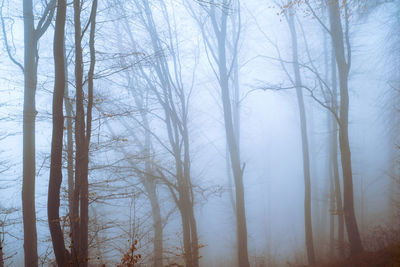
[6,40]
[46,19]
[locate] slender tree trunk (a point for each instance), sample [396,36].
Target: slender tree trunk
[187,244]
[335,164]
[304,142]
[331,213]
[70,140]
[176,125]
[194,237]
[189,189]
[57,140]
[235,159]
[1,251]
[149,182]
[344,67]
[220,31]
[31,38]
[338,194]
[79,136]
[97,239]
[190,240]
[151,189]
[189,227]
[84,194]
[29,170]
[157,225]
[236,125]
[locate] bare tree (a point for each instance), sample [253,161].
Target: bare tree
[172,96]
[343,61]
[222,62]
[342,50]
[304,141]
[80,209]
[32,35]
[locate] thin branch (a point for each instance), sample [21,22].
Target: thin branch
[316,16]
[45,20]
[311,91]
[347,37]
[6,40]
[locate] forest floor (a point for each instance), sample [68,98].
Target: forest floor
[387,257]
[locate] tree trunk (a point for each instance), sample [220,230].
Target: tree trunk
[237,170]
[331,214]
[304,142]
[194,237]
[151,189]
[235,160]
[29,170]
[84,193]
[55,180]
[189,189]
[1,251]
[187,244]
[220,28]
[344,67]
[157,225]
[334,160]
[177,130]
[70,140]
[79,137]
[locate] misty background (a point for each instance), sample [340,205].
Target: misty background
[159,139]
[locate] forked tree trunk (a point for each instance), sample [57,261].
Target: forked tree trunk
[220,29]
[337,35]
[80,211]
[178,135]
[235,160]
[79,136]
[31,38]
[148,181]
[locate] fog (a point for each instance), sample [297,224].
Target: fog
[199,133]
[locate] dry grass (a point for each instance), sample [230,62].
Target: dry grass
[387,257]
